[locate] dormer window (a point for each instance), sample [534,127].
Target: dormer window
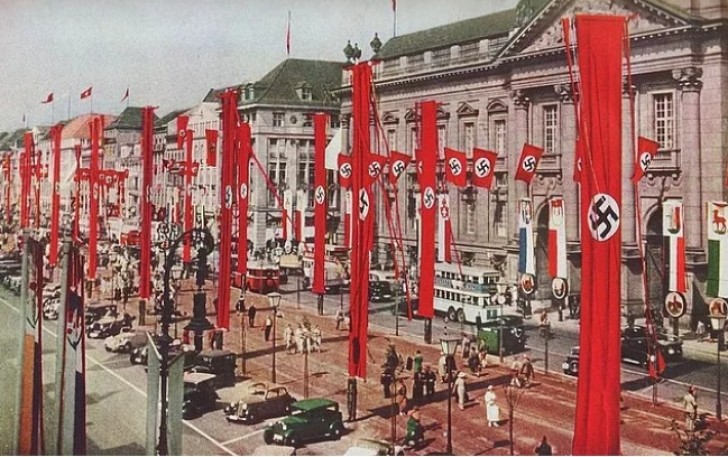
[249,92]
[304,92]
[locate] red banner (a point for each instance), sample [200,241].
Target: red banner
[189,171]
[227,197]
[25,175]
[361,225]
[600,39]
[344,170]
[211,147]
[646,151]
[56,131]
[530,155]
[320,200]
[182,122]
[243,196]
[398,164]
[456,167]
[8,174]
[483,168]
[97,130]
[428,208]
[145,229]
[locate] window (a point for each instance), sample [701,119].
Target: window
[467,142]
[499,221]
[306,93]
[277,174]
[308,120]
[414,140]
[470,221]
[550,126]
[335,121]
[279,119]
[441,140]
[392,139]
[499,137]
[664,120]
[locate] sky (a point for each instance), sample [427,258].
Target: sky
[169,53]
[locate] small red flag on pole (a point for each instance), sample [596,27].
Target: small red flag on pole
[86,93]
[48,99]
[288,35]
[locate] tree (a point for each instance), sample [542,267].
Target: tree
[692,442]
[513,397]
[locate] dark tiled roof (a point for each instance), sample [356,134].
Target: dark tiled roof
[129,119]
[169,117]
[12,139]
[466,31]
[213,96]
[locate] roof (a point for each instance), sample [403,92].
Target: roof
[78,127]
[213,95]
[129,119]
[468,30]
[169,117]
[313,403]
[12,139]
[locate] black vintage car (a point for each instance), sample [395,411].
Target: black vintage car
[380,291]
[571,364]
[506,330]
[199,394]
[219,362]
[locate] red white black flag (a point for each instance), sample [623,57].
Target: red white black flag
[344,163]
[672,211]
[646,151]
[530,156]
[182,122]
[319,201]
[483,168]
[86,93]
[211,147]
[428,213]
[398,163]
[456,167]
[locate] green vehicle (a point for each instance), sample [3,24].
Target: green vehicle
[310,420]
[505,330]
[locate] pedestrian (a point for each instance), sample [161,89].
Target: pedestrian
[89,287]
[544,448]
[288,338]
[298,337]
[492,411]
[515,373]
[430,379]
[417,361]
[339,317]
[442,367]
[461,390]
[418,386]
[401,397]
[268,327]
[690,407]
[527,371]
[700,330]
[317,338]
[251,316]
[465,346]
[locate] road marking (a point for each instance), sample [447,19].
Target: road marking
[135,388]
[242,437]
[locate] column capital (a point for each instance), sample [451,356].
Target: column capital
[688,78]
[628,88]
[564,92]
[520,99]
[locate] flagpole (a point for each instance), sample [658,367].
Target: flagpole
[69,104]
[92,103]
[394,23]
[53,111]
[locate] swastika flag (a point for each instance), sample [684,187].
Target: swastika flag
[455,167]
[345,170]
[483,167]
[398,163]
[182,122]
[375,167]
[646,150]
[528,162]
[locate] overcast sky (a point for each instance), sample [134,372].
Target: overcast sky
[170,53]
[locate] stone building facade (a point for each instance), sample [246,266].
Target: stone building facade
[502,80]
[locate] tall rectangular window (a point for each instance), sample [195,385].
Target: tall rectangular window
[470,220]
[279,119]
[467,142]
[550,128]
[392,139]
[499,137]
[499,219]
[664,112]
[441,140]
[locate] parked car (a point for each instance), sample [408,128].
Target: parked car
[108,326]
[366,447]
[380,291]
[571,364]
[95,311]
[50,308]
[260,403]
[507,330]
[219,362]
[139,355]
[199,394]
[310,420]
[124,341]
[401,305]
[635,346]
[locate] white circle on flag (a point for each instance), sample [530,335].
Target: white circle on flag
[428,197]
[603,217]
[345,170]
[243,191]
[482,167]
[645,160]
[363,204]
[529,163]
[560,288]
[374,169]
[455,167]
[320,195]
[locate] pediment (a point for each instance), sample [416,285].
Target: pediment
[413,116]
[389,118]
[466,109]
[544,32]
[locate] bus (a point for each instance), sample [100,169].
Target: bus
[463,293]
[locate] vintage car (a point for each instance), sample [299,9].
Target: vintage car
[13,283]
[95,311]
[139,355]
[219,362]
[507,330]
[571,364]
[260,403]
[400,305]
[367,447]
[124,341]
[199,394]
[310,420]
[381,291]
[50,308]
[635,346]
[108,326]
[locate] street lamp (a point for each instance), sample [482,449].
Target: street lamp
[449,346]
[274,300]
[502,290]
[718,310]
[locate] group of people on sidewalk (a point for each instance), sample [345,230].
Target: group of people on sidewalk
[302,339]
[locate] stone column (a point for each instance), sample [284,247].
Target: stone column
[688,80]
[517,189]
[627,218]
[259,194]
[568,155]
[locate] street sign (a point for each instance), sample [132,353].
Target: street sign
[674,305]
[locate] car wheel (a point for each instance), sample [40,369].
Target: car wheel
[461,316]
[127,347]
[252,419]
[574,368]
[337,429]
[268,437]
[292,441]
[451,314]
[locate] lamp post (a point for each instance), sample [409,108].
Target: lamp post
[502,290]
[717,320]
[449,346]
[243,336]
[199,322]
[274,300]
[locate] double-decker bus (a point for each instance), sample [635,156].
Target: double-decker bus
[462,293]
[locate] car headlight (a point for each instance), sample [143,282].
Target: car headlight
[671,351]
[283,426]
[244,406]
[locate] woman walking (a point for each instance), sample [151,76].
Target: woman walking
[492,411]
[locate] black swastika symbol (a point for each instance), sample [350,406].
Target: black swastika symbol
[529,164]
[645,160]
[602,218]
[398,167]
[429,198]
[455,166]
[482,167]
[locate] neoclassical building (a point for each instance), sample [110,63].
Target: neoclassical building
[502,80]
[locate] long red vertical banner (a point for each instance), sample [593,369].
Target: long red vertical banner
[319,215]
[229,127]
[8,168]
[243,189]
[55,197]
[360,220]
[25,173]
[188,173]
[600,40]
[145,235]
[428,208]
[93,185]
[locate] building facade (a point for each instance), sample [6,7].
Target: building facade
[502,80]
